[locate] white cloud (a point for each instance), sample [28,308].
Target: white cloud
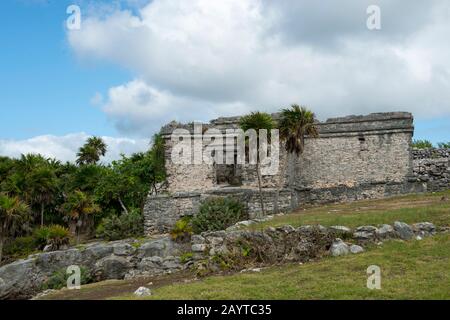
[64,148]
[199,59]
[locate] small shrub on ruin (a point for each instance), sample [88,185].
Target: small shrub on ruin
[182,230]
[218,214]
[422,144]
[121,227]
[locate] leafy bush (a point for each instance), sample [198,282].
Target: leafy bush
[40,236]
[444,145]
[121,227]
[58,279]
[20,247]
[54,235]
[58,236]
[218,214]
[186,257]
[422,144]
[182,230]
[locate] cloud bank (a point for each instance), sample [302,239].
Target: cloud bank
[198,59]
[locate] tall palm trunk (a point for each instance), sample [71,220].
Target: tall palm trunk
[258,172]
[291,177]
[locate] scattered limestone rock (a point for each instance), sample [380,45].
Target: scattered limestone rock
[198,247]
[339,248]
[356,249]
[425,228]
[363,235]
[43,294]
[123,249]
[366,229]
[245,223]
[142,292]
[341,229]
[403,230]
[385,231]
[251,270]
[197,239]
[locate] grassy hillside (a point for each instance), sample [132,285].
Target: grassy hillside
[410,209]
[409,270]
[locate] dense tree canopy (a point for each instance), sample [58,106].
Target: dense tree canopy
[36,192]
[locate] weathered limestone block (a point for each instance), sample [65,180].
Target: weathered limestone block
[339,248]
[112,267]
[403,230]
[385,231]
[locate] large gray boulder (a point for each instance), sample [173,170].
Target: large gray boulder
[112,267]
[123,249]
[403,230]
[95,252]
[161,247]
[49,262]
[19,280]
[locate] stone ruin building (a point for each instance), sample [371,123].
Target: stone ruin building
[354,157]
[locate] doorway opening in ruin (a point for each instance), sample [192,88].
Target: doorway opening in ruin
[228,174]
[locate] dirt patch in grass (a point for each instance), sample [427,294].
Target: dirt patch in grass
[111,288]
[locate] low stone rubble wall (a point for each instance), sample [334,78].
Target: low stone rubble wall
[286,243]
[209,252]
[432,168]
[162,211]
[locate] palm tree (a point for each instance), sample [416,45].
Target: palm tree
[78,207]
[35,180]
[258,121]
[91,151]
[295,124]
[42,185]
[13,212]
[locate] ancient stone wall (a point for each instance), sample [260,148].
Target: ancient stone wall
[162,211]
[187,177]
[432,168]
[355,157]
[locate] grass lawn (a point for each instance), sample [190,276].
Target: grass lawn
[409,209]
[409,270]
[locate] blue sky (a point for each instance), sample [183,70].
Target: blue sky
[45,89]
[173,63]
